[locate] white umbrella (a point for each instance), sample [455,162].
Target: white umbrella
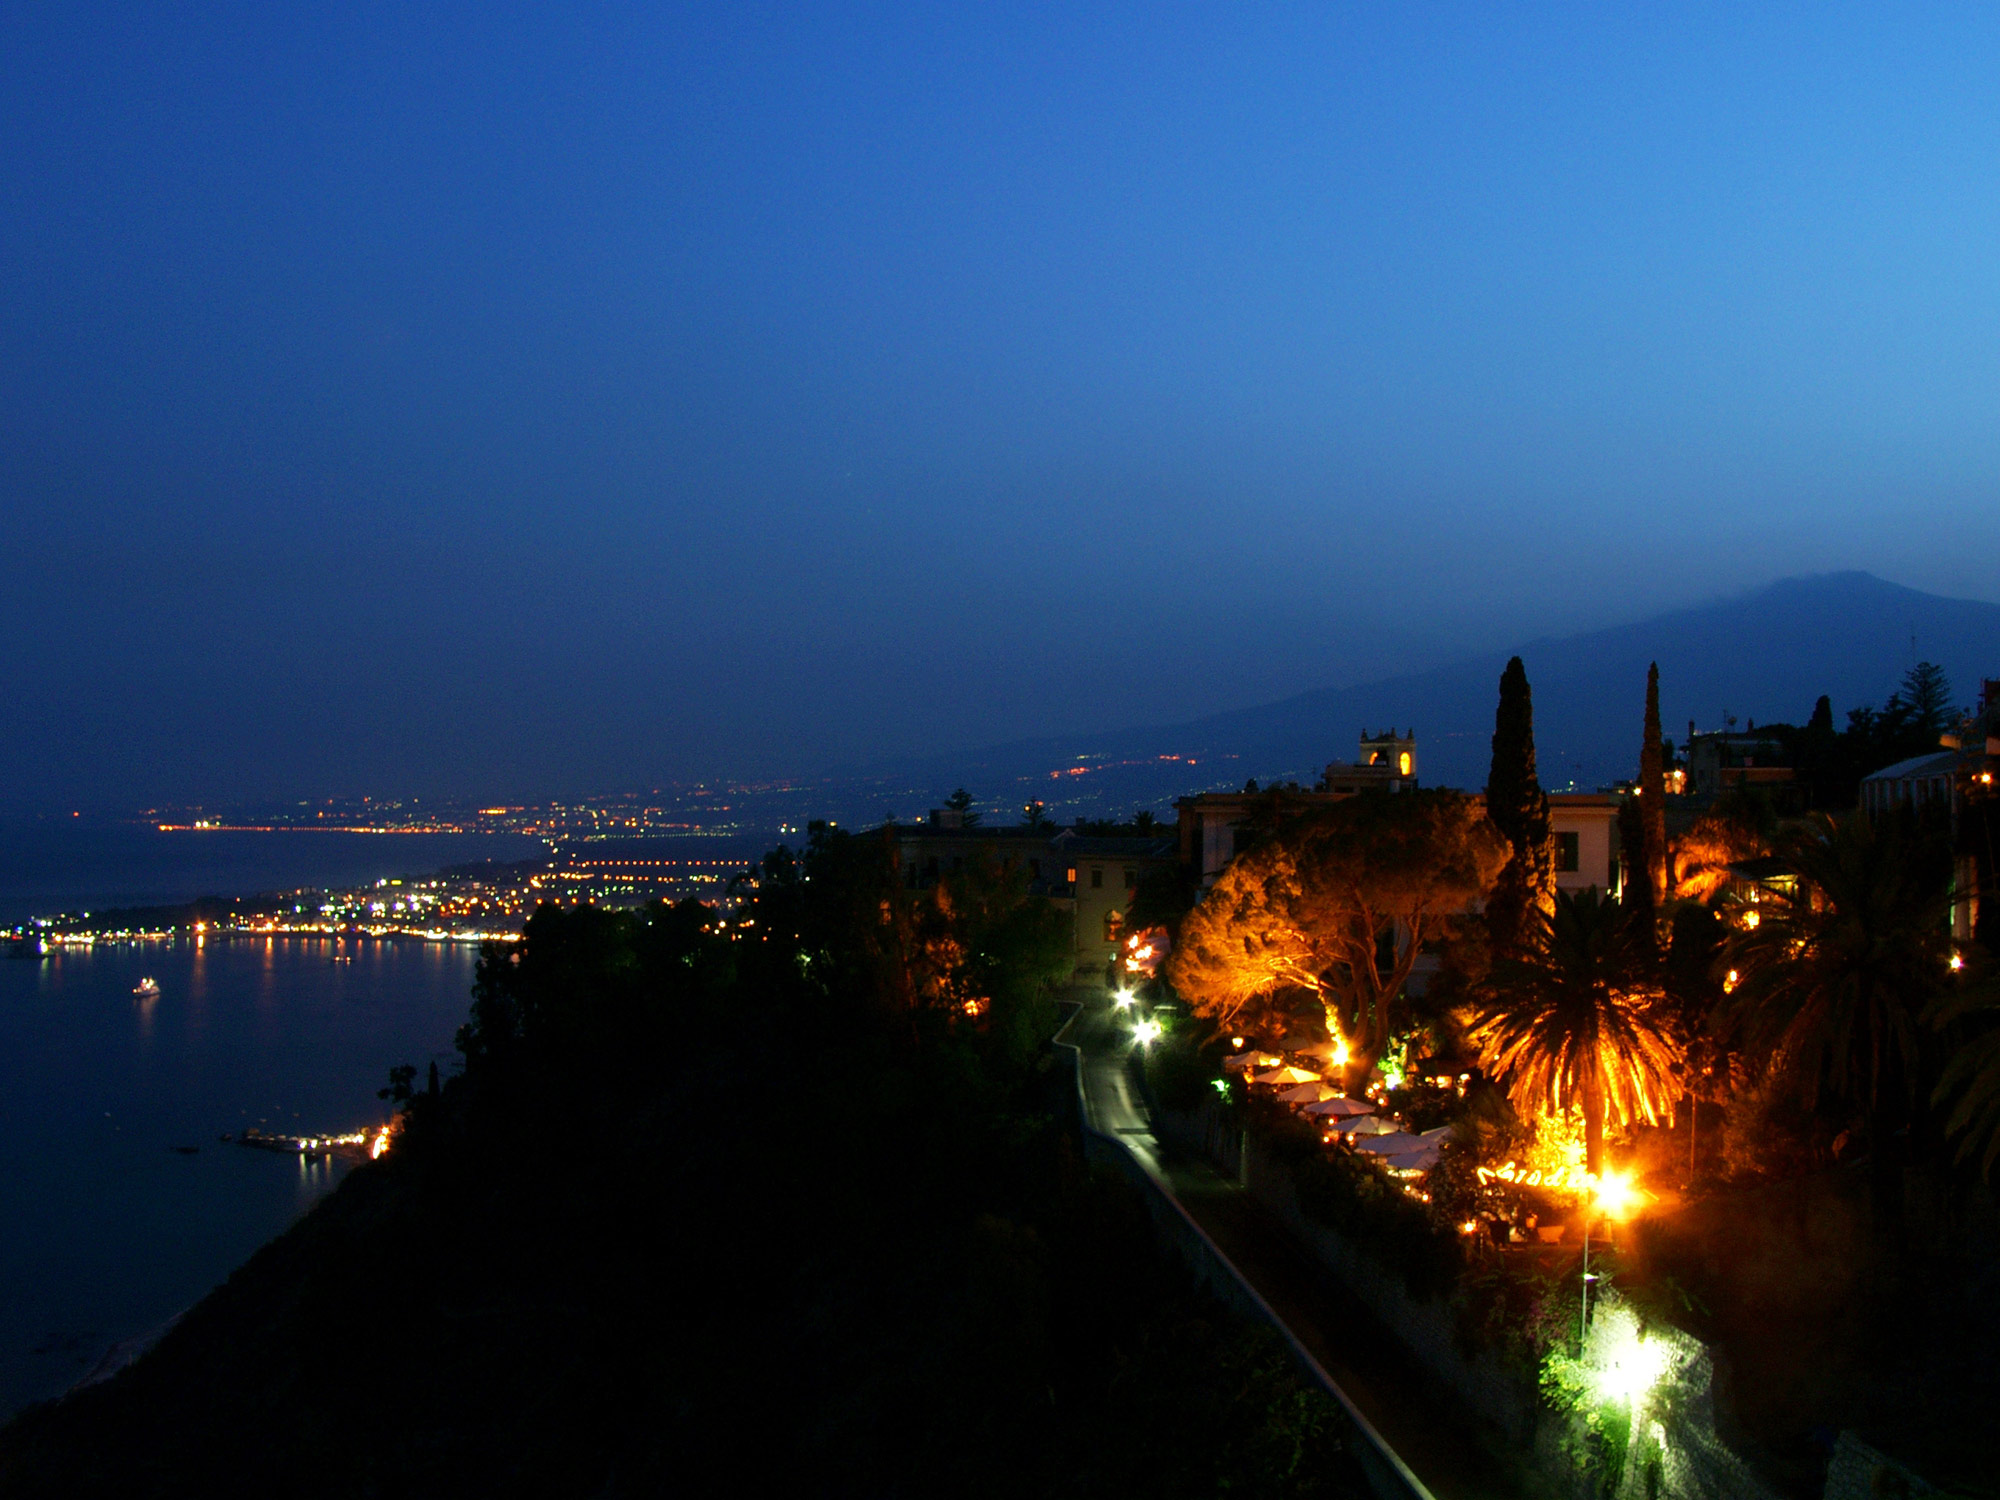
[1441,1134]
[1413,1161]
[1365,1125]
[1391,1143]
[1285,1075]
[1251,1061]
[1244,1060]
[1341,1108]
[1305,1093]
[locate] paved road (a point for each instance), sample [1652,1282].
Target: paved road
[1417,1416]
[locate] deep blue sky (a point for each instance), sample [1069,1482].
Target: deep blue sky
[408,398]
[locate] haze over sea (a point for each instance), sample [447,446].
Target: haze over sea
[64,864]
[111,1230]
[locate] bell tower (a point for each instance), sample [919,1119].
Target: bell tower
[1395,752]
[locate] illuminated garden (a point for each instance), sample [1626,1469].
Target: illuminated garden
[1713,1149]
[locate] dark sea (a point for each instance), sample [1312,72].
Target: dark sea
[106,1230]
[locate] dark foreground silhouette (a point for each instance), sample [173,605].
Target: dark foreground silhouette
[712,1210]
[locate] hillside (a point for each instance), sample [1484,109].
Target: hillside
[1765,655]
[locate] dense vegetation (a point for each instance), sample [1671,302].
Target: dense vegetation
[716,1204]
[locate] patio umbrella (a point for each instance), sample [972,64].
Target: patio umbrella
[1305,1093]
[1391,1143]
[1318,1049]
[1412,1161]
[1250,1060]
[1361,1125]
[1439,1135]
[1340,1108]
[1285,1075]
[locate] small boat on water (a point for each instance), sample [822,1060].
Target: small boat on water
[147,988]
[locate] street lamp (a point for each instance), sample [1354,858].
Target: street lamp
[1613,1195]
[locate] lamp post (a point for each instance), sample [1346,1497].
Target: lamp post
[1614,1194]
[1583,1300]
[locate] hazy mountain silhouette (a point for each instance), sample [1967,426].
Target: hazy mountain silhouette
[1763,656]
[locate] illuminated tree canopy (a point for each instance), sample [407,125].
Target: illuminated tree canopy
[1338,901]
[1575,1021]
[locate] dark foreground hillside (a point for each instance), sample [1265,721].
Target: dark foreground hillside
[693,1223]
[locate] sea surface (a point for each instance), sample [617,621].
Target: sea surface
[52,865]
[106,1230]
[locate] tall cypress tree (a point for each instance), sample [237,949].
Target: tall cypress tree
[1653,792]
[1519,808]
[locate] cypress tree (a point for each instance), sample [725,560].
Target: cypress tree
[1653,792]
[1519,808]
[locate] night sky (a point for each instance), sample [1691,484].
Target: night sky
[510,401]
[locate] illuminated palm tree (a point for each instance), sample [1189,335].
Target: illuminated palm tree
[1576,1021]
[1836,966]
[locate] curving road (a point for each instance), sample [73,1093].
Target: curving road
[1418,1417]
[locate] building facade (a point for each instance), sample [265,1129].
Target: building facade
[1094,878]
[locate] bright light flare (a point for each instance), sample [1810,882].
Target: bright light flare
[1148,1032]
[1624,1364]
[1614,1194]
[1123,999]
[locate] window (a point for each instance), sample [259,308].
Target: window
[1097,879]
[1114,924]
[1070,876]
[1035,869]
[1566,856]
[1131,880]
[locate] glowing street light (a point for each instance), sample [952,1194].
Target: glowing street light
[1613,1195]
[1148,1032]
[1122,999]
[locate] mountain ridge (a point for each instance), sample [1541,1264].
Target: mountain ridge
[1767,653]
